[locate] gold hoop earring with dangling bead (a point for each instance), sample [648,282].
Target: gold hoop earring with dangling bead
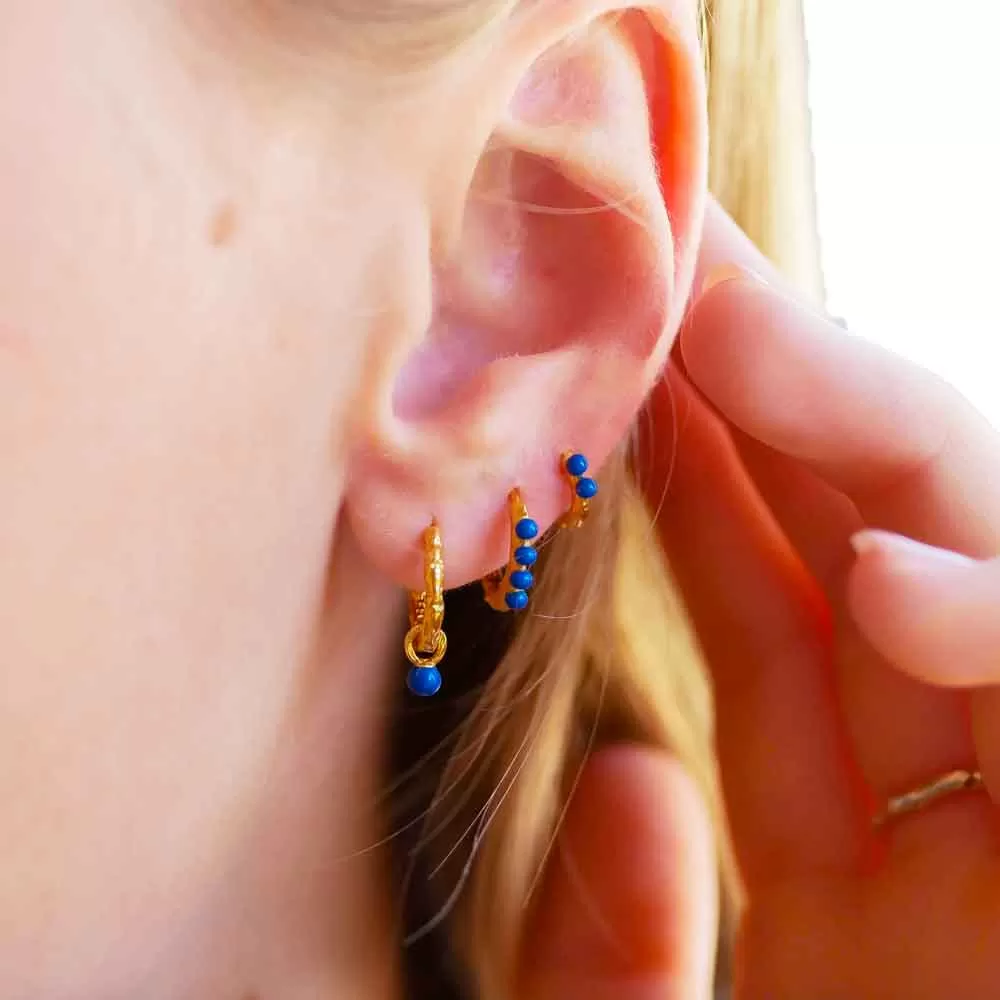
[425,643]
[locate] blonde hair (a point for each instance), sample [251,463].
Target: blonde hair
[761,165]
[607,655]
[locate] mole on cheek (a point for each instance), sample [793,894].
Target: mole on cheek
[224,224]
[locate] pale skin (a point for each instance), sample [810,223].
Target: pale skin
[240,370]
[247,351]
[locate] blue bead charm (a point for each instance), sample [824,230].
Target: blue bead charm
[526,529]
[526,556]
[522,580]
[583,489]
[424,682]
[516,600]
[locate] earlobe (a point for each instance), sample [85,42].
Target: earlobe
[554,307]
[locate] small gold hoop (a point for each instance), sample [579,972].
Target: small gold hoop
[428,659]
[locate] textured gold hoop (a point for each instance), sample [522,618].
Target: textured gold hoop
[507,588]
[425,643]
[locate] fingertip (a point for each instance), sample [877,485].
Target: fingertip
[629,902]
[723,273]
[710,342]
[901,555]
[929,611]
[724,243]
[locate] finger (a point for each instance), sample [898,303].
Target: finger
[900,729]
[905,447]
[725,249]
[792,798]
[818,519]
[628,909]
[912,454]
[933,613]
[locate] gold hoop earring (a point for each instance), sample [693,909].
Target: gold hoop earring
[425,643]
[582,488]
[507,588]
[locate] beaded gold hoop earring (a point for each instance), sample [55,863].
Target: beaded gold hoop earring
[507,588]
[582,487]
[425,643]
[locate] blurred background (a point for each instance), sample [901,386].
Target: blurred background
[905,118]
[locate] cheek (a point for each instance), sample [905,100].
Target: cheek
[168,382]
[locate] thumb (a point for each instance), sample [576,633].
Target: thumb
[726,248]
[629,906]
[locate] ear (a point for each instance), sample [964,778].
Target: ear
[563,210]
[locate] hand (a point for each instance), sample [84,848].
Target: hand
[843,676]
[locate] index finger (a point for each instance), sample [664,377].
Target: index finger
[915,457]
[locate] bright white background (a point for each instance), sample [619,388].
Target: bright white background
[905,99]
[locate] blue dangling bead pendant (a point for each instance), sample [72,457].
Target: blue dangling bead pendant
[424,682]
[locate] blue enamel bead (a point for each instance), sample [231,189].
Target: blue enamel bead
[525,556]
[424,682]
[586,488]
[517,600]
[522,579]
[526,529]
[577,465]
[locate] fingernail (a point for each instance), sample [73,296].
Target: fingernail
[730,271]
[906,554]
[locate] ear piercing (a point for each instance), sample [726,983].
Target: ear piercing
[507,589]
